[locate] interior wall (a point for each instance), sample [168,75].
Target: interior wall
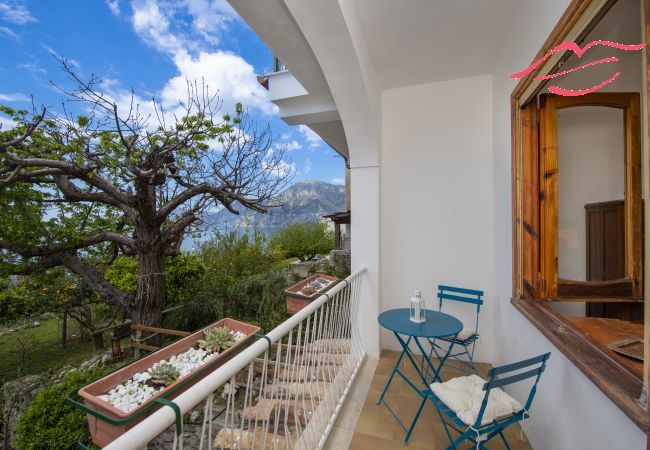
[591,169]
[436,202]
[569,412]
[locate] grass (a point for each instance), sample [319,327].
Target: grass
[285,262]
[36,350]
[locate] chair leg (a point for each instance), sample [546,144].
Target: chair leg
[470,360]
[415,420]
[444,424]
[471,357]
[503,438]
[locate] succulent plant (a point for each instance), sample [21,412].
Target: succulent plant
[217,339]
[164,374]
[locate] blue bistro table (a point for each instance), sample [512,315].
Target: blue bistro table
[437,325]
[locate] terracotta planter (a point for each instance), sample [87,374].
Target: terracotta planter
[296,299]
[103,432]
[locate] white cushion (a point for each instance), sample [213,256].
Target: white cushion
[464,395]
[465,333]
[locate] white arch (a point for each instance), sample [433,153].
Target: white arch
[332,30]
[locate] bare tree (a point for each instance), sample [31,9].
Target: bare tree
[110,181]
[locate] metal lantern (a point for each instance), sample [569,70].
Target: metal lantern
[417,308]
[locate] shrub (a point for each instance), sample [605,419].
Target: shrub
[230,257]
[304,240]
[26,296]
[49,422]
[182,275]
[15,302]
[259,298]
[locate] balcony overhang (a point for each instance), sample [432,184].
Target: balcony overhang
[301,92]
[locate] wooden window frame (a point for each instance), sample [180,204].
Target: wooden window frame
[622,387]
[551,286]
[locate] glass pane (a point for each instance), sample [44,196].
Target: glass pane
[591,188]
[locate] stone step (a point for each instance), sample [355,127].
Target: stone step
[235,439]
[295,411]
[332,346]
[309,390]
[302,373]
[322,358]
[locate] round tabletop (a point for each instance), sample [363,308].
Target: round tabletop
[438,324]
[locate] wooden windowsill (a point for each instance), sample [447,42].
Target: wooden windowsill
[608,374]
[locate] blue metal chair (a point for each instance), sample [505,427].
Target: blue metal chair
[478,433]
[466,338]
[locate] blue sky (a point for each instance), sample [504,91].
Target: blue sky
[152,47]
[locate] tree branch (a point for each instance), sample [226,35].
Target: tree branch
[109,293]
[49,250]
[73,193]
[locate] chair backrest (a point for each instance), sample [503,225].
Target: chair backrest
[528,368]
[456,294]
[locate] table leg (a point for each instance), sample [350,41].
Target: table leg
[423,377]
[395,370]
[419,370]
[442,359]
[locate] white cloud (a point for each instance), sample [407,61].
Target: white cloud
[31,67]
[280,169]
[152,25]
[340,181]
[294,145]
[224,73]
[72,62]
[307,167]
[9,33]
[312,138]
[210,18]
[6,123]
[15,11]
[289,146]
[160,24]
[171,26]
[16,97]
[114,6]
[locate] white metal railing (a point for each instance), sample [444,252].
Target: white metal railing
[280,393]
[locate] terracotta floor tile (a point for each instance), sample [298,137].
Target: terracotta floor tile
[398,445]
[379,381]
[377,429]
[361,441]
[378,422]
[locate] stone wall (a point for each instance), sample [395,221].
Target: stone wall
[17,395]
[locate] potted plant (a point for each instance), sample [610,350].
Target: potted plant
[304,292]
[121,399]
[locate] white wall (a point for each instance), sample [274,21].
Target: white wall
[591,161]
[569,412]
[436,202]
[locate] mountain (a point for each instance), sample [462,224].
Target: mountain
[306,201]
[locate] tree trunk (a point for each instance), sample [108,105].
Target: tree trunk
[99,341]
[64,332]
[150,296]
